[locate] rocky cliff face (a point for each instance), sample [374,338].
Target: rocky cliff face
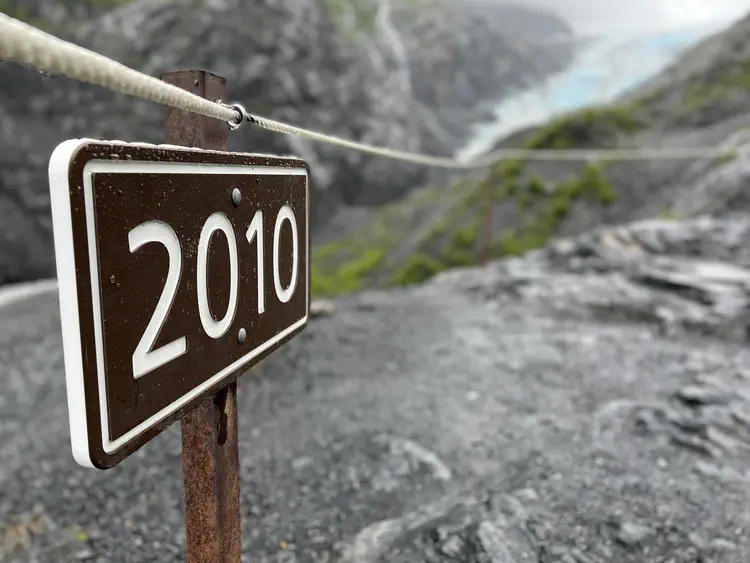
[452,51]
[338,66]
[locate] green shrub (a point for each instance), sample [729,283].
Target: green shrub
[348,277]
[594,183]
[586,127]
[353,16]
[418,268]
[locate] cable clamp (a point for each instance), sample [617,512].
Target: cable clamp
[243,115]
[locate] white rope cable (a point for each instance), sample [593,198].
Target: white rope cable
[22,43]
[25,44]
[500,154]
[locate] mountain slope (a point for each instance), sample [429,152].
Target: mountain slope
[701,101]
[708,84]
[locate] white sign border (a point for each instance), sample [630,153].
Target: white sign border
[68,289]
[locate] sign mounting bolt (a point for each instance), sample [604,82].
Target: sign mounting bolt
[236,197]
[242,336]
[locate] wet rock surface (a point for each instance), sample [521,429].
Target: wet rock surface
[587,403]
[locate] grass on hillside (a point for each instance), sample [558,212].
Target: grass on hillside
[351,263]
[587,127]
[722,81]
[348,264]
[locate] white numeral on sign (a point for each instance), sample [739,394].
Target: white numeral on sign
[285,214]
[256,229]
[217,222]
[144,358]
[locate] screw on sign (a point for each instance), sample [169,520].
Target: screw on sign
[178,268]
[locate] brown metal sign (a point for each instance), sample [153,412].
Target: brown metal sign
[177,268]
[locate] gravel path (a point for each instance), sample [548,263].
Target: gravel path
[533,410]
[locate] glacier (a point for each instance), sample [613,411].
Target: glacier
[604,69]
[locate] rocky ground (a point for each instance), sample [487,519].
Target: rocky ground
[589,402]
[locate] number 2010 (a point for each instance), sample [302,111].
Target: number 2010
[145,360]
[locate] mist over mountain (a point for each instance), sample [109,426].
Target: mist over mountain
[644,16]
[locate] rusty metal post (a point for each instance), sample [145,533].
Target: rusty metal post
[210,459]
